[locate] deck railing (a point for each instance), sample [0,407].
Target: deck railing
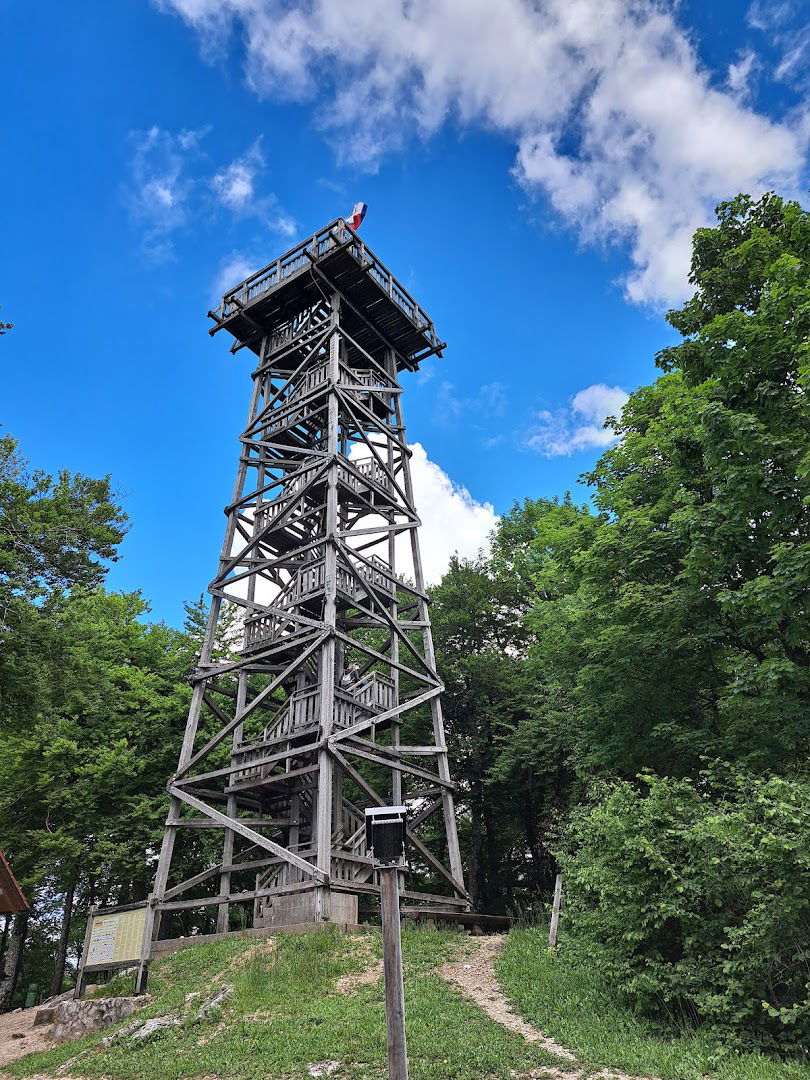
[369,468]
[302,257]
[270,510]
[373,693]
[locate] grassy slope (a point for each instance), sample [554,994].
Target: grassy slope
[303,1019]
[285,1014]
[570,1004]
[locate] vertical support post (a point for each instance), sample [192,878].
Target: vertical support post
[327,673]
[146,945]
[396,774]
[77,991]
[442,764]
[223,911]
[392,966]
[555,913]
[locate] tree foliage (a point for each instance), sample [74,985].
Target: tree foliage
[664,627]
[692,896]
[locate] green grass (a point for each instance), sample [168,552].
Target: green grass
[303,1020]
[571,1004]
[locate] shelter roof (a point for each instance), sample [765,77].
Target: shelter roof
[12,899]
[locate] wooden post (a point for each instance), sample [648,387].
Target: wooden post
[392,963]
[146,946]
[325,796]
[555,913]
[77,992]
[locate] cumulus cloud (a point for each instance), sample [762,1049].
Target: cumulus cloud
[614,118]
[580,426]
[453,522]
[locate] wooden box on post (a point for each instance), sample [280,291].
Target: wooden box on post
[385,834]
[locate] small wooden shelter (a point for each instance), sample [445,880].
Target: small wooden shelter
[12,898]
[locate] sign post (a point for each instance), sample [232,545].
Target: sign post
[385,838]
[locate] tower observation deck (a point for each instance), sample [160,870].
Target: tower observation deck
[316,693]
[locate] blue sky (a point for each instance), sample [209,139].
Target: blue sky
[533,178]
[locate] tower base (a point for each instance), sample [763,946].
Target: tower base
[292,909]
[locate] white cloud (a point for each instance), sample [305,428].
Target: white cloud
[170,186]
[159,185]
[614,118]
[792,67]
[235,185]
[284,224]
[739,73]
[581,426]
[453,522]
[233,270]
[763,15]
[787,30]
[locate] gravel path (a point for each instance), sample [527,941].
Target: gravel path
[474,975]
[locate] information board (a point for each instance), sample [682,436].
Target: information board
[116,938]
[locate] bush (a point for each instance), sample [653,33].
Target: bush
[694,898]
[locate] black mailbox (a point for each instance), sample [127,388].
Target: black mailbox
[385,834]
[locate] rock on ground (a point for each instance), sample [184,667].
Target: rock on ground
[73,1019]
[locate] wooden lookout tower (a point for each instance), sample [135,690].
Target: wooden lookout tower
[327,701]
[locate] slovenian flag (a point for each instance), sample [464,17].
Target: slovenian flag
[357,215]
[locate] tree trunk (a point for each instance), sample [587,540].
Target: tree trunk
[64,937]
[140,891]
[532,839]
[474,868]
[492,897]
[11,969]
[3,938]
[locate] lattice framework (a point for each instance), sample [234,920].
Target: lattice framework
[277,753]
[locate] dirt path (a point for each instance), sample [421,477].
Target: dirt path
[474,975]
[19,1037]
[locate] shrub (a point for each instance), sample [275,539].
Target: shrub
[694,898]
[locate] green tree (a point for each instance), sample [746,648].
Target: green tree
[83,779]
[686,632]
[55,535]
